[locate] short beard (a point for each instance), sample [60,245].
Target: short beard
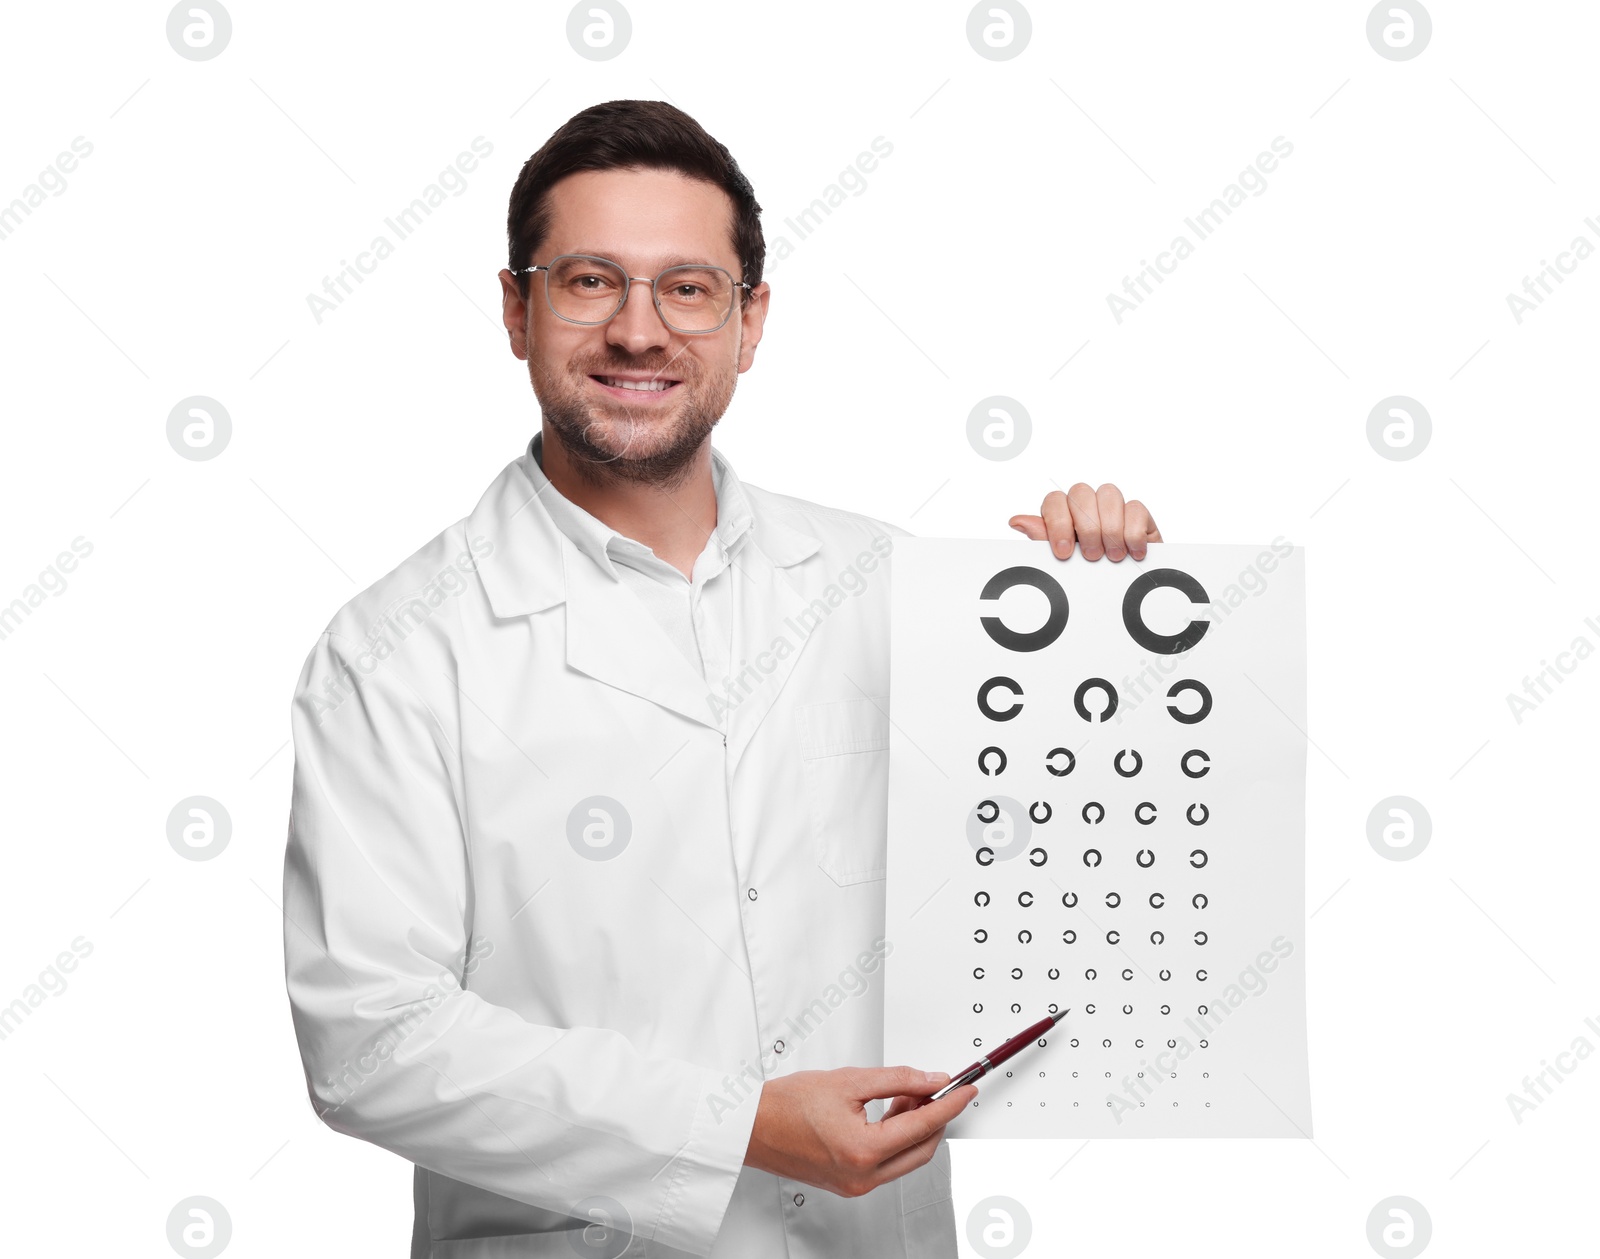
[598,459]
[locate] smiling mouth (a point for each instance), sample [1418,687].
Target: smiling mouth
[636,386]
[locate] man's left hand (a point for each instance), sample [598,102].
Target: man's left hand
[1098,520]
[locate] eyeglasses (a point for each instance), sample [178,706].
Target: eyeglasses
[583,289]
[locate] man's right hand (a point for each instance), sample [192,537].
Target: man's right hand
[812,1126]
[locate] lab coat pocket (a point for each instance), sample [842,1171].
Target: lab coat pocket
[844,746]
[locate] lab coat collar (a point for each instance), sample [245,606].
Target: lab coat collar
[533,566]
[598,540]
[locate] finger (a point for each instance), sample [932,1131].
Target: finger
[1029,526]
[909,1160]
[1139,528]
[1108,498]
[901,1104]
[905,1130]
[1058,523]
[1086,520]
[871,1083]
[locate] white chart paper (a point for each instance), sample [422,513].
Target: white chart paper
[1142,866]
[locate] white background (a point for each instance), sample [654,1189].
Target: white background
[977,261]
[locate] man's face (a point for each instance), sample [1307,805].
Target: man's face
[645,220]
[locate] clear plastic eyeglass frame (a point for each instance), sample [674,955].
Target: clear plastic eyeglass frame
[655,295]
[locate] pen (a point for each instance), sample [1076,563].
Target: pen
[989,1061]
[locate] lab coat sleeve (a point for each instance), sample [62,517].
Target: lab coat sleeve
[376,902]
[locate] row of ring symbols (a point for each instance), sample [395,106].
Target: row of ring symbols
[1100,815]
[1072,762]
[1025,898]
[1145,857]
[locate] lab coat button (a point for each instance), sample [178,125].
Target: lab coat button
[799,1199]
[777,1046]
[752,893]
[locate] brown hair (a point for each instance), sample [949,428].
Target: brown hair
[621,134]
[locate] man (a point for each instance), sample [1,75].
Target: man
[584,891]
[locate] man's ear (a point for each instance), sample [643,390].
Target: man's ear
[514,313]
[752,319]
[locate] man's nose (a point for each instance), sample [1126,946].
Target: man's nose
[637,327]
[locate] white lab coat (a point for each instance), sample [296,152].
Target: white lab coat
[593,1056]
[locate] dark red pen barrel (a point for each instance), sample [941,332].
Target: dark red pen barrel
[1022,1038]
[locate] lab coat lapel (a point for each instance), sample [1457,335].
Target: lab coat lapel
[770,632]
[613,638]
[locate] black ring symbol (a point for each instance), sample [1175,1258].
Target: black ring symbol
[1157,899]
[1158,937]
[1024,936]
[1195,773]
[1016,972]
[1202,1009]
[1205,814]
[1025,898]
[1098,817]
[1113,899]
[1040,854]
[1015,1008]
[1201,900]
[1092,852]
[979,855]
[1069,899]
[977,972]
[1201,853]
[1188,684]
[1106,1044]
[1069,936]
[1166,1009]
[1146,859]
[1200,975]
[1053,973]
[988,710]
[1133,618]
[993,816]
[1138,762]
[980,936]
[1048,812]
[1088,1009]
[1164,975]
[981,899]
[1089,974]
[1200,937]
[1072,761]
[1138,813]
[977,1007]
[1127,972]
[1032,640]
[1127,1009]
[983,767]
[1091,684]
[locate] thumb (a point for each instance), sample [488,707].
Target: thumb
[1029,526]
